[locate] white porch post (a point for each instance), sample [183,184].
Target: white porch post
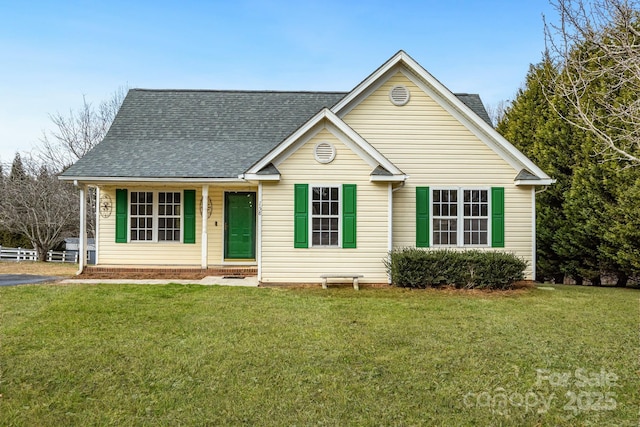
[96,236]
[259,236]
[82,241]
[205,236]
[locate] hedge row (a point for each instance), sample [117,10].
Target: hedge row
[417,268]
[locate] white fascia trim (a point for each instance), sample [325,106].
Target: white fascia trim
[535,182]
[387,178]
[477,126]
[366,83]
[88,179]
[259,177]
[353,141]
[284,145]
[449,102]
[362,144]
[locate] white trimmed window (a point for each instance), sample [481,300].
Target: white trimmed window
[141,209]
[445,217]
[325,216]
[169,216]
[155,216]
[476,217]
[460,217]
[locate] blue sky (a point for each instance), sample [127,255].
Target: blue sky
[53,53]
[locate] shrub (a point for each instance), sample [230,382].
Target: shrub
[417,268]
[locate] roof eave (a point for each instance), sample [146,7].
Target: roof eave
[537,182]
[137,179]
[259,177]
[387,178]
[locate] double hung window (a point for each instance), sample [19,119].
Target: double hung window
[325,216]
[459,217]
[475,216]
[155,216]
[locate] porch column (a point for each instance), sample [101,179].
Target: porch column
[96,232]
[82,241]
[259,233]
[205,238]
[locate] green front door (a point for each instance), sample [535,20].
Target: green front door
[240,226]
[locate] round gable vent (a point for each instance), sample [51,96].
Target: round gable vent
[324,152]
[399,95]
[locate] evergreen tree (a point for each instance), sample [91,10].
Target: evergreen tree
[533,125]
[17,169]
[587,222]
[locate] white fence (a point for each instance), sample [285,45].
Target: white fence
[20,254]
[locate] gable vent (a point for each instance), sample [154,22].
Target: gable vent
[324,152]
[399,95]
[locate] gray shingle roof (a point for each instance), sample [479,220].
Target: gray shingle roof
[203,134]
[473,101]
[380,171]
[526,175]
[197,134]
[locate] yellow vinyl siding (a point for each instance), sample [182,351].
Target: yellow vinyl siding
[281,262]
[431,146]
[171,253]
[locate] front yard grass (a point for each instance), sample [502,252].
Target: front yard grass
[197,355]
[41,268]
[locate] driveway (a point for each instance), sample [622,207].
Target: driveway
[24,279]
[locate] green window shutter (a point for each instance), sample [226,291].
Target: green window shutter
[122,199]
[189,232]
[422,217]
[301,216]
[497,217]
[349,202]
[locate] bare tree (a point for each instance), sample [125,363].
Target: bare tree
[75,134]
[38,206]
[596,45]
[496,111]
[79,131]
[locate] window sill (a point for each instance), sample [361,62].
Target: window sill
[147,242]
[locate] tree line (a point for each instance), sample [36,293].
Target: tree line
[578,118]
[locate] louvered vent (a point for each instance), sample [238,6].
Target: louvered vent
[399,95]
[324,152]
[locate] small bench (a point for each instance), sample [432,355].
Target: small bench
[353,277]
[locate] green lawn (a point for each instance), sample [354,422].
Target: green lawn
[197,355]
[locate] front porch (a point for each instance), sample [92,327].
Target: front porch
[174,230]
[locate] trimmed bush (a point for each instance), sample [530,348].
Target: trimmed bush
[472,269]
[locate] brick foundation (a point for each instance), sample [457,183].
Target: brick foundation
[164,272]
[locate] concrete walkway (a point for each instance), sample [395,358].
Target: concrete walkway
[209,280]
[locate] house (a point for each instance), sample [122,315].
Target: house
[298,184]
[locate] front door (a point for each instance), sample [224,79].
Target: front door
[240,226]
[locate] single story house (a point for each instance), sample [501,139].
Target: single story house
[295,185]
